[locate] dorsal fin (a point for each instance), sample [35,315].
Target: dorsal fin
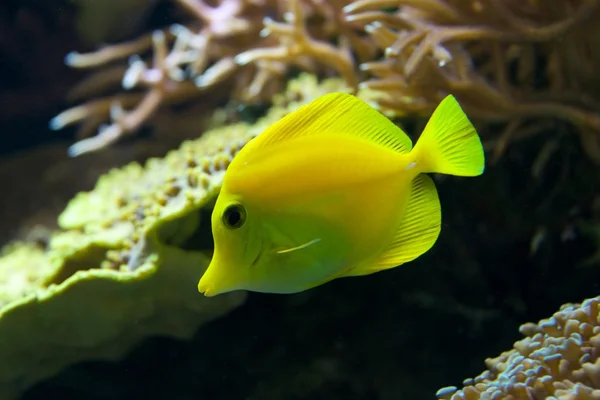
[337,113]
[418,230]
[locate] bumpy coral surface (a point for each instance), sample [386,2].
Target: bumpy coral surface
[115,274]
[558,359]
[16,282]
[128,258]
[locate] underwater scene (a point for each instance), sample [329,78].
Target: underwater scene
[300,199]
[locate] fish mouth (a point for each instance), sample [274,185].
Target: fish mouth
[211,283]
[204,288]
[222,276]
[208,293]
[218,280]
[213,290]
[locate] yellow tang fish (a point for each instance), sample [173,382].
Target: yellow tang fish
[333,189]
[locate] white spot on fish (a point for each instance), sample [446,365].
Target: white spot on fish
[303,246]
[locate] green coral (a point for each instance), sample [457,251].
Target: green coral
[100,314]
[127,259]
[16,281]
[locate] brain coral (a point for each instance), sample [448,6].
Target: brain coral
[558,359]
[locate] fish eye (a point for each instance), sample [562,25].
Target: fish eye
[234,216]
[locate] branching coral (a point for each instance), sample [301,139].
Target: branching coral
[506,61]
[557,360]
[207,54]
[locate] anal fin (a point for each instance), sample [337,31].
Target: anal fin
[416,234]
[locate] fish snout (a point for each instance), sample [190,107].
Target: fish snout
[217,280]
[205,289]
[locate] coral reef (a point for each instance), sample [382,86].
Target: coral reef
[470,288]
[29,212]
[127,258]
[558,359]
[125,262]
[49,320]
[511,61]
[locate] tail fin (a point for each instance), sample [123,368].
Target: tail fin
[449,143]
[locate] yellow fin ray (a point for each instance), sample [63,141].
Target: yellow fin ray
[417,232]
[449,143]
[336,113]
